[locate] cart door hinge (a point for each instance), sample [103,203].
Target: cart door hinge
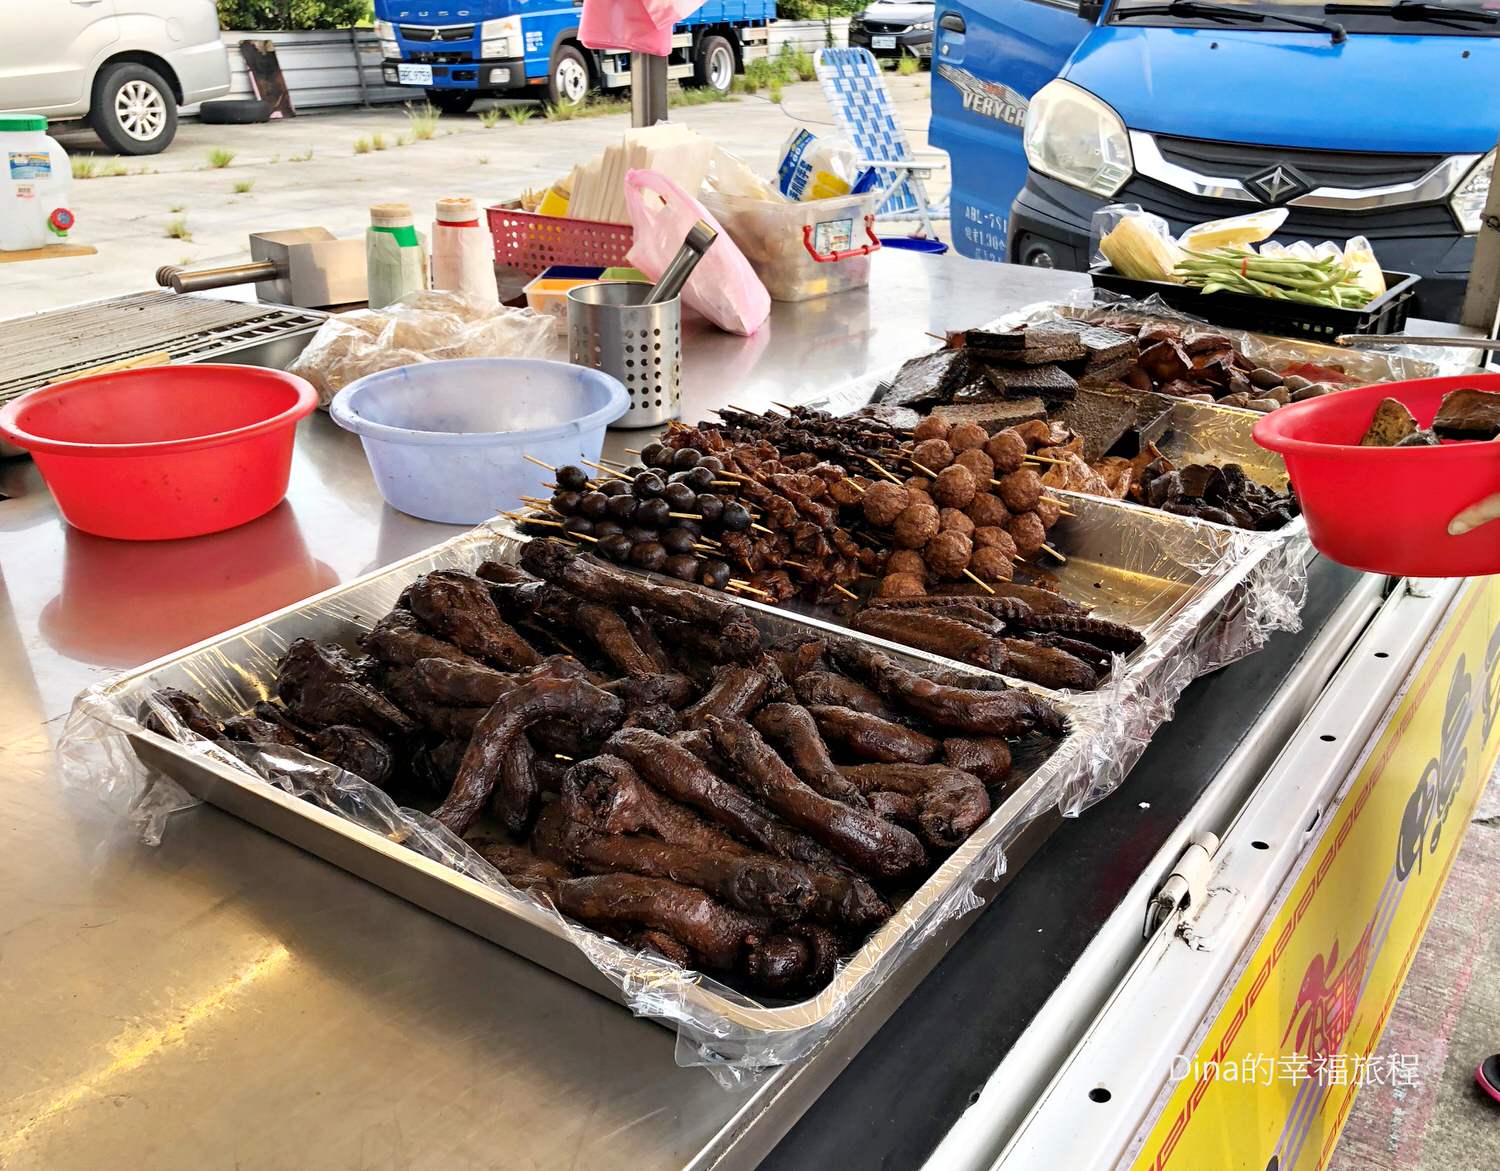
[1187,885]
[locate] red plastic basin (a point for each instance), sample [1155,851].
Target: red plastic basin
[156,454]
[1386,509]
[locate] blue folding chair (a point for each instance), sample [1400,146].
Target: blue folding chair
[855,89]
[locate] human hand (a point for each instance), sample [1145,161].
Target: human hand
[1475,515]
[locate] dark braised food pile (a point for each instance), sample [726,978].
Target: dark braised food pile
[1001,378]
[1222,494]
[637,752]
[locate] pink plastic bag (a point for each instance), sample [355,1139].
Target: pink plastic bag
[724,288]
[669,12]
[625,24]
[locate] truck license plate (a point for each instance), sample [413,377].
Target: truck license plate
[883,42]
[414,74]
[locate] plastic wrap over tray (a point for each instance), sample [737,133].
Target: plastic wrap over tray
[147,775]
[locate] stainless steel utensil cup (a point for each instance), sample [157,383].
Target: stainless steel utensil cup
[610,329]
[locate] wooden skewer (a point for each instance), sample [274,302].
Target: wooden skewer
[560,756]
[539,463]
[762,529]
[846,592]
[1054,553]
[984,585]
[893,479]
[1047,459]
[536,520]
[614,463]
[735,583]
[936,336]
[784,407]
[928,472]
[634,450]
[602,468]
[795,564]
[685,515]
[552,486]
[860,488]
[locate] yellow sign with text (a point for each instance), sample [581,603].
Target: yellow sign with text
[1272,1083]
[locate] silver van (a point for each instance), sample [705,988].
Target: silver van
[124,65]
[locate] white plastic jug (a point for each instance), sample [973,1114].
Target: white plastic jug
[35,178]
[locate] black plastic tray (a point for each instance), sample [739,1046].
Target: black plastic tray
[1385,315]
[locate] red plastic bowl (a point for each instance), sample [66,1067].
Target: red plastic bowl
[1386,509]
[173,451]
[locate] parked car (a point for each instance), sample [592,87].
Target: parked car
[1360,117]
[124,65]
[530,48]
[894,28]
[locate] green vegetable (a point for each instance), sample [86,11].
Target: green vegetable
[1328,282]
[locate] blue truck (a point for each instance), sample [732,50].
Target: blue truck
[1360,118]
[459,52]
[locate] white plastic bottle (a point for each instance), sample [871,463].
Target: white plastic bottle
[463,252]
[395,256]
[35,178]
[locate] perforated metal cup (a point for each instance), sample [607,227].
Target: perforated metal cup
[641,345]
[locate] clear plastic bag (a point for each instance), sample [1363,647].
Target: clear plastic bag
[1135,243]
[1235,231]
[421,327]
[814,167]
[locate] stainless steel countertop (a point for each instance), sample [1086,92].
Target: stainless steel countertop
[224,1000]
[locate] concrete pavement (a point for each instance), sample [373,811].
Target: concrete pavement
[304,172]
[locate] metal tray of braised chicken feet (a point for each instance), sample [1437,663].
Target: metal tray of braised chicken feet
[230,673]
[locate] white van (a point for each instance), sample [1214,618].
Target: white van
[125,65]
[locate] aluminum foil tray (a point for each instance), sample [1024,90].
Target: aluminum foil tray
[230,672]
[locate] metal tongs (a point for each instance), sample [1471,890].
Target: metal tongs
[1367,341]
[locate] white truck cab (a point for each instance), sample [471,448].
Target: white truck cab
[124,65]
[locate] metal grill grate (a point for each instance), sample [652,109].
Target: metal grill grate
[42,348]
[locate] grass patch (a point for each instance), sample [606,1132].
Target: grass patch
[521,115]
[177,208]
[908,67]
[702,96]
[84,166]
[591,107]
[402,140]
[304,157]
[773,91]
[220,157]
[378,141]
[424,121]
[244,186]
[483,160]
[113,169]
[490,118]
[178,230]
[361,146]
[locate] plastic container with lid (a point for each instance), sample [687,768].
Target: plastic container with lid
[35,179]
[463,252]
[802,250]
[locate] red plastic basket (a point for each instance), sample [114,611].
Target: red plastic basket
[1386,509]
[532,243]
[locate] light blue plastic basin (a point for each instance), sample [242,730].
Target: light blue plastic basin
[445,440]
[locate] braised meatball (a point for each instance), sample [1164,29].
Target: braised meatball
[1049,508]
[953,520]
[988,509]
[884,502]
[918,483]
[977,462]
[1028,532]
[908,561]
[1007,450]
[918,496]
[901,585]
[918,525]
[955,487]
[931,427]
[1020,490]
[991,564]
[1036,433]
[967,437]
[934,454]
[995,537]
[947,554]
